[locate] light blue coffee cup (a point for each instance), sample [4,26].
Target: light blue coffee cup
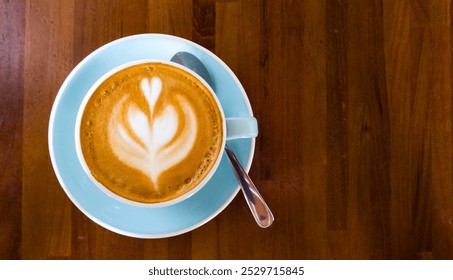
[232,128]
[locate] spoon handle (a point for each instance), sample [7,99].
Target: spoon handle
[261,212]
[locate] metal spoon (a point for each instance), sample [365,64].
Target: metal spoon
[261,212]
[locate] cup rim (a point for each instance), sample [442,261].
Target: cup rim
[104,189]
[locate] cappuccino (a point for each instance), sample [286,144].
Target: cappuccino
[151,132]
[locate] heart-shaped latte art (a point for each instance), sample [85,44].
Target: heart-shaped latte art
[154,142]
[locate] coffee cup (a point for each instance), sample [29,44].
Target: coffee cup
[151,133]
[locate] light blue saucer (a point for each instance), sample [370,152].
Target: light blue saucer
[123,218]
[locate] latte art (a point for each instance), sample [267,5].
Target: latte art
[151,132]
[154,142]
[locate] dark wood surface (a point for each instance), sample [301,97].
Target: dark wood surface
[354,103]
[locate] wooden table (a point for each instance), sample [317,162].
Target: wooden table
[354,103]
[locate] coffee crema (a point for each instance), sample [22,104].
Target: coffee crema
[151,132]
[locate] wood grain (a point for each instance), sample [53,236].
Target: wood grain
[353,100]
[12,22]
[46,210]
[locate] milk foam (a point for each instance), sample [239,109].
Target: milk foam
[154,142]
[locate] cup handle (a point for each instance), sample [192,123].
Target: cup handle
[241,128]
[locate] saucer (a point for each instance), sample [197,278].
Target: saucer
[127,219]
